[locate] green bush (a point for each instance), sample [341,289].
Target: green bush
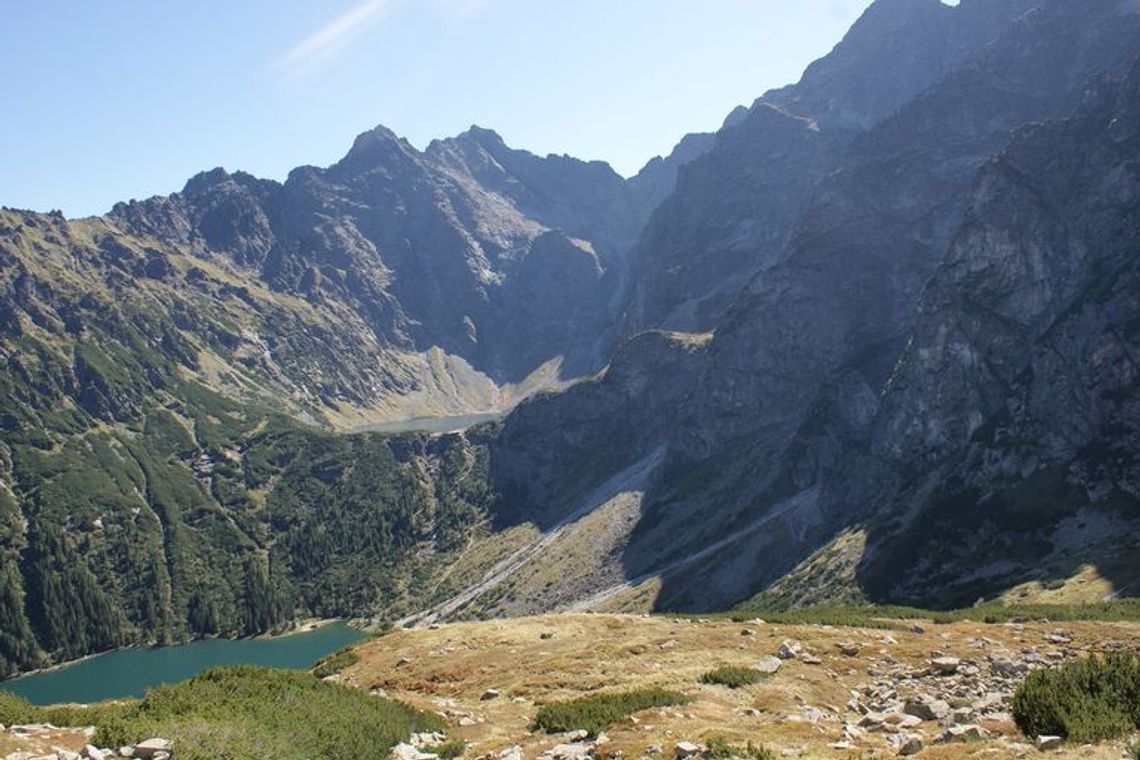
[596,713]
[721,749]
[733,677]
[1084,700]
[248,713]
[451,749]
[335,662]
[1134,749]
[15,709]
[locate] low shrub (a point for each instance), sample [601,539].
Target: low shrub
[731,676]
[248,713]
[15,709]
[721,749]
[1084,700]
[450,750]
[335,662]
[597,712]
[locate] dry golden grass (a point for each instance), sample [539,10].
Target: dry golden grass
[449,668]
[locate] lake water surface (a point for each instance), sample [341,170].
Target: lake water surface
[128,672]
[429,424]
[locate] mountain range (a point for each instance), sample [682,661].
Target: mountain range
[873,340]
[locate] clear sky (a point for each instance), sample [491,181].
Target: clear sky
[107,100]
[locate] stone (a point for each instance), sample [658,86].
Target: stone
[687,749]
[945,665]
[748,632]
[568,752]
[91,752]
[807,658]
[962,734]
[768,664]
[848,648]
[1045,743]
[65,754]
[546,635]
[489,694]
[653,749]
[151,747]
[511,753]
[918,628]
[911,744]
[404,751]
[789,648]
[579,735]
[927,709]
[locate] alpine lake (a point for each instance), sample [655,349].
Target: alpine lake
[129,672]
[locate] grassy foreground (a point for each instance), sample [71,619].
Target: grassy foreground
[245,713]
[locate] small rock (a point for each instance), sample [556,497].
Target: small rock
[945,665]
[91,752]
[403,751]
[546,635]
[151,747]
[807,658]
[962,734]
[1045,743]
[918,628]
[579,735]
[911,744]
[848,648]
[490,694]
[932,709]
[653,749]
[788,649]
[687,749]
[768,664]
[748,632]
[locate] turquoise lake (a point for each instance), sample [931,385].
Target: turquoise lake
[129,672]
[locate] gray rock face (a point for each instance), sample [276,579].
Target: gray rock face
[780,423]
[469,245]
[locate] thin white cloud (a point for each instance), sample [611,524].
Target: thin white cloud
[332,37]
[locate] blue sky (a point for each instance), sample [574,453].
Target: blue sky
[107,101]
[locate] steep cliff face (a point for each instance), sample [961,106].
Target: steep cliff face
[1011,421]
[797,364]
[434,248]
[736,207]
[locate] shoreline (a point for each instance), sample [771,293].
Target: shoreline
[300,626]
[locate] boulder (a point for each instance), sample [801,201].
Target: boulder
[962,734]
[911,744]
[687,749]
[405,751]
[945,665]
[91,752]
[147,750]
[789,648]
[768,664]
[927,709]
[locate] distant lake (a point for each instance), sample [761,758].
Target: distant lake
[129,672]
[429,424]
